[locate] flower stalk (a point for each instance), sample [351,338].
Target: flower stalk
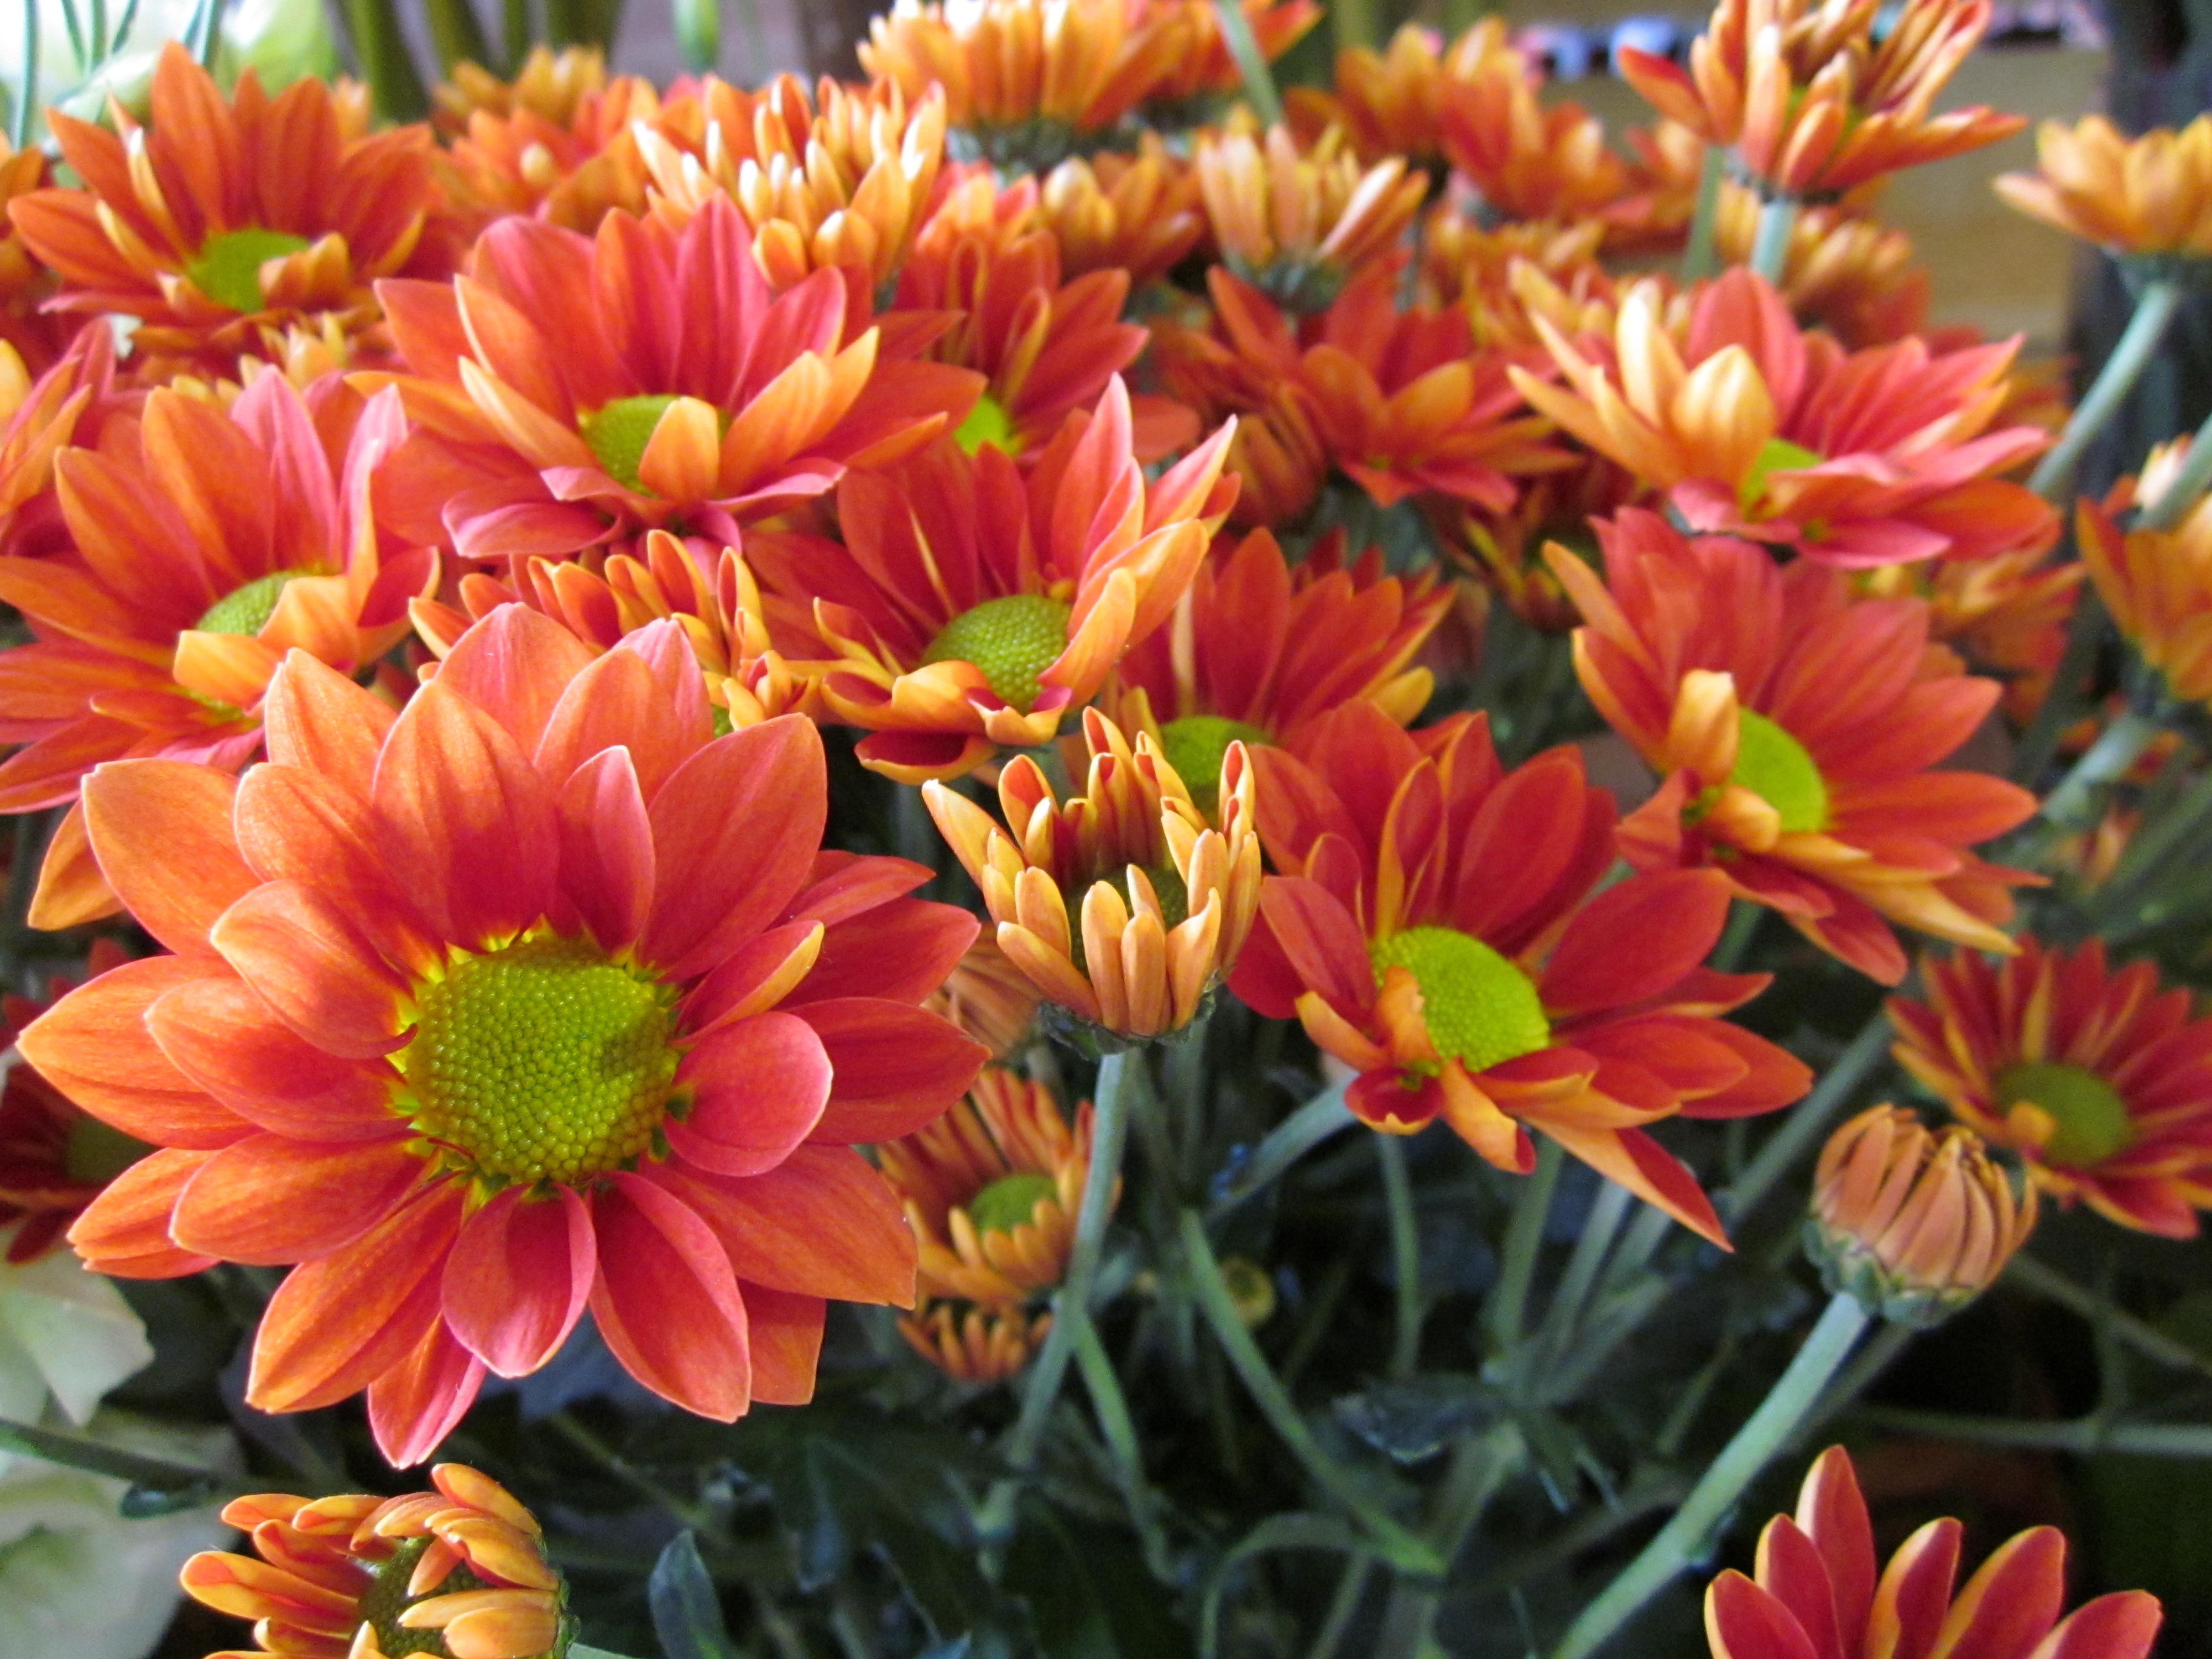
[1698,258]
[2155,306]
[1251,62]
[1769,246]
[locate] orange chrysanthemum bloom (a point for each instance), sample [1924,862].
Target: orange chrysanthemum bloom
[1434,927]
[977,1345]
[1142,212]
[973,604]
[221,225]
[1297,221]
[1794,729]
[1261,648]
[551,85]
[69,404]
[1506,551]
[1914,1224]
[2146,195]
[837,182]
[557,142]
[534,997]
[37,336]
[1527,159]
[988,998]
[1810,103]
[2101,1083]
[1817,1593]
[1393,102]
[2006,614]
[1183,37]
[1466,263]
[54,1158]
[458,1571]
[1750,425]
[1857,277]
[575,391]
[2158,586]
[204,547]
[1161,900]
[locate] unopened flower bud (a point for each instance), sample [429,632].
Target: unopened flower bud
[1912,1222]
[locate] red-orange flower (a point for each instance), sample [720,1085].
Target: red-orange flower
[1300,220]
[1748,425]
[574,391]
[69,404]
[1527,159]
[2158,586]
[1795,730]
[1819,1593]
[1141,212]
[203,549]
[1435,927]
[1393,101]
[533,997]
[2100,1082]
[221,225]
[557,142]
[37,336]
[1184,39]
[974,604]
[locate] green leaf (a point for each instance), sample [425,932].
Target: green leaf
[1089,1592]
[1412,1420]
[148,1476]
[687,1614]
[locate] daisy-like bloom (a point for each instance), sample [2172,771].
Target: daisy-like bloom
[1393,102]
[840,181]
[552,85]
[1913,1224]
[988,998]
[1817,1591]
[574,391]
[458,1571]
[974,604]
[205,547]
[54,1158]
[222,224]
[70,403]
[1855,278]
[1478,267]
[1141,212]
[1528,159]
[37,336]
[1505,552]
[2006,614]
[559,142]
[1810,103]
[2157,584]
[2100,1082]
[1123,905]
[1436,926]
[1748,425]
[2150,196]
[1183,37]
[1261,648]
[1794,729]
[534,997]
[973,1345]
[1297,221]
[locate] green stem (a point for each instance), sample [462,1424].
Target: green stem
[514,31]
[2073,804]
[1285,1144]
[1259,84]
[1808,1121]
[1481,1464]
[1342,1607]
[26,110]
[455,34]
[1685,1537]
[2067,698]
[1864,1371]
[1396,1545]
[2089,1437]
[1525,1237]
[1405,1254]
[2053,477]
[2144,1338]
[2189,484]
[1071,1307]
[1119,1431]
[1770,245]
[381,50]
[2184,821]
[1607,1211]
[696,1516]
[1698,258]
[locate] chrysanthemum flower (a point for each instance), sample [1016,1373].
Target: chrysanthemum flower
[205,547]
[2146,195]
[221,224]
[535,997]
[1750,425]
[2157,584]
[1393,102]
[1297,221]
[2101,1083]
[1795,730]
[1819,1591]
[1914,1225]
[37,336]
[988,998]
[1434,927]
[1261,648]
[2006,614]
[69,405]
[1506,551]
[839,181]
[577,391]
[458,1571]
[1123,905]
[558,142]
[1141,212]
[1184,39]
[974,604]
[976,1345]
[551,85]
[1857,277]
[1527,159]
[1476,266]
[1810,103]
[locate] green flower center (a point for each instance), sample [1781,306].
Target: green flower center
[98,1152]
[2094,1123]
[1012,640]
[1195,746]
[618,433]
[1776,455]
[542,1061]
[386,1598]
[1774,766]
[1481,1010]
[1009,1201]
[248,610]
[988,424]
[228,269]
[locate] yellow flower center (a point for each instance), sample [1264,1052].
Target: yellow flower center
[1012,641]
[542,1061]
[386,1598]
[1009,1201]
[246,610]
[1481,1010]
[1775,455]
[1774,766]
[2091,1123]
[228,269]
[618,432]
[988,424]
[1195,746]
